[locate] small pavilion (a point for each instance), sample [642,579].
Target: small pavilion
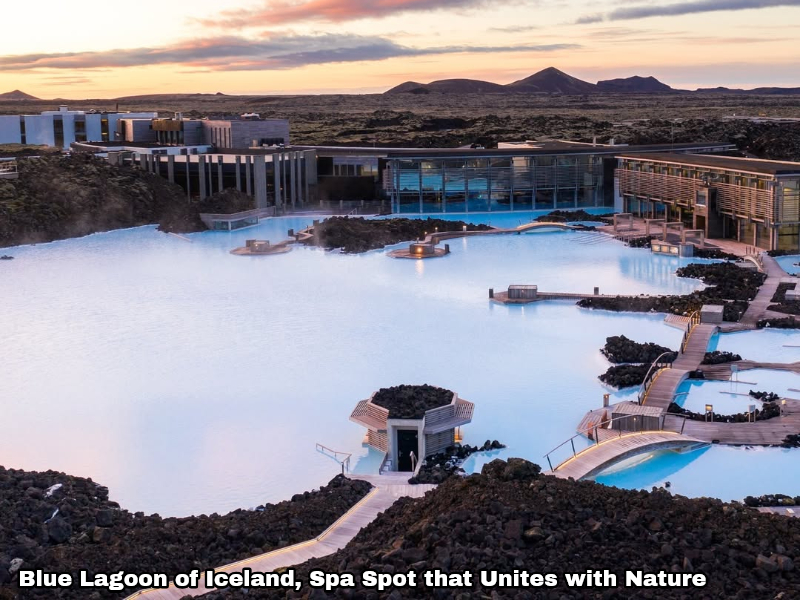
[411,422]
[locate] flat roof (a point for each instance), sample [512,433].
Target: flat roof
[731,163]
[541,148]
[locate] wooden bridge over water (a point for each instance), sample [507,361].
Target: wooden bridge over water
[620,446]
[612,443]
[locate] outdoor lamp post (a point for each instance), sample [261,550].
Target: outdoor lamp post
[783,407]
[709,411]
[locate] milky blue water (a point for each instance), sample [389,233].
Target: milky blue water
[729,397]
[789,263]
[765,345]
[189,380]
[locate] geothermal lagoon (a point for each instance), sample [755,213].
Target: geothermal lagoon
[190,381]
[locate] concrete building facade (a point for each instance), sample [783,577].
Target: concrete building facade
[62,127]
[246,133]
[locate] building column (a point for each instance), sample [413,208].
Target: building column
[419,173]
[303,181]
[293,178]
[171,168]
[201,172]
[284,188]
[396,177]
[489,184]
[466,188]
[260,176]
[220,179]
[188,178]
[297,165]
[276,161]
[238,173]
[248,174]
[510,186]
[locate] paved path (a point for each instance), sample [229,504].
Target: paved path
[601,456]
[758,306]
[388,488]
[786,511]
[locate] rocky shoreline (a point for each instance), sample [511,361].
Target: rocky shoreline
[512,517]
[439,467]
[58,197]
[60,523]
[620,349]
[567,216]
[631,360]
[782,323]
[729,285]
[354,235]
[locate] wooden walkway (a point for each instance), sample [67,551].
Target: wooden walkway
[723,371]
[388,488]
[665,385]
[760,433]
[596,458]
[758,308]
[786,511]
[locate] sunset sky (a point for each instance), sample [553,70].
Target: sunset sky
[95,49]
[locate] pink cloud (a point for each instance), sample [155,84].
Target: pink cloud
[281,12]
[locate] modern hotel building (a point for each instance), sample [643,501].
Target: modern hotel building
[754,201]
[60,128]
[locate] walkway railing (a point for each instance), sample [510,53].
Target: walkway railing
[335,454]
[694,319]
[638,428]
[753,254]
[652,372]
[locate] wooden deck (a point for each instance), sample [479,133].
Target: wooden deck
[760,433]
[388,488]
[502,297]
[617,448]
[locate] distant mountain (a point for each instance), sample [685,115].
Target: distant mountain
[552,81]
[635,84]
[17,95]
[766,91]
[466,86]
[449,86]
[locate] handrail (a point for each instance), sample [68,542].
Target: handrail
[334,454]
[658,364]
[694,319]
[595,429]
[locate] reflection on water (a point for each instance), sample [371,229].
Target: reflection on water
[723,472]
[649,470]
[764,345]
[190,380]
[729,397]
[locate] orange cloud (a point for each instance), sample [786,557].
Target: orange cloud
[281,12]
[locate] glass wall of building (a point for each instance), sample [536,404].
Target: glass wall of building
[494,183]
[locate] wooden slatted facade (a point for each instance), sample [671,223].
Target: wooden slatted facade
[754,201]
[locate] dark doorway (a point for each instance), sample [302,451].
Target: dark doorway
[407,442]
